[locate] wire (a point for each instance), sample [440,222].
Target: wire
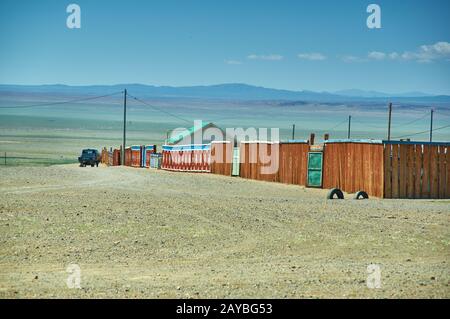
[159,109]
[443,114]
[336,126]
[369,125]
[414,121]
[59,103]
[418,133]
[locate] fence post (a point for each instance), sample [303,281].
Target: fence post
[389,122]
[431,126]
[349,126]
[311,138]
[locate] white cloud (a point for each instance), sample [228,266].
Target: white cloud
[376,55]
[312,56]
[270,57]
[352,59]
[429,53]
[233,62]
[424,54]
[393,56]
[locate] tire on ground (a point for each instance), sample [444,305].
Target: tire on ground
[361,195]
[335,192]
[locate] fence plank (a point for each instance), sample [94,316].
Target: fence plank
[303,164]
[418,171]
[402,170]
[426,172]
[447,170]
[372,149]
[343,167]
[442,171]
[410,172]
[387,171]
[395,171]
[378,168]
[366,179]
[434,172]
[361,179]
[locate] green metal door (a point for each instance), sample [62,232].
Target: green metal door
[236,162]
[315,164]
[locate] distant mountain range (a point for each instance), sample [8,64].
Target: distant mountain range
[375,94]
[233,91]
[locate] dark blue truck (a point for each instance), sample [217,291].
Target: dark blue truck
[89,157]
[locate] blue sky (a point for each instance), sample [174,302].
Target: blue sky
[297,45]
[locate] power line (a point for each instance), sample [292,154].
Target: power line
[427,131]
[443,114]
[369,125]
[336,126]
[60,103]
[159,109]
[414,121]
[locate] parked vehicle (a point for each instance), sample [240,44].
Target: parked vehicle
[89,157]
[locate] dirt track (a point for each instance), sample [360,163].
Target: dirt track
[156,234]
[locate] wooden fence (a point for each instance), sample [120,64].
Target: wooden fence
[293,163]
[186,158]
[257,159]
[354,167]
[416,170]
[147,152]
[289,159]
[382,169]
[133,156]
[221,158]
[110,158]
[104,156]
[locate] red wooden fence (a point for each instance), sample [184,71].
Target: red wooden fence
[416,170]
[187,158]
[354,167]
[221,158]
[293,163]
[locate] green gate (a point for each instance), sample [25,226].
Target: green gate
[315,164]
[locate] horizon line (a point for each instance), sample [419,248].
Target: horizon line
[335,92]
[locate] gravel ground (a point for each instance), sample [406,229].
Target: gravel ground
[139,233]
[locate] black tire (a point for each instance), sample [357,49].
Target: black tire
[96,164]
[92,165]
[335,192]
[361,195]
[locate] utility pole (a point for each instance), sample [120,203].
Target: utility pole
[349,126]
[293,131]
[389,122]
[122,155]
[431,126]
